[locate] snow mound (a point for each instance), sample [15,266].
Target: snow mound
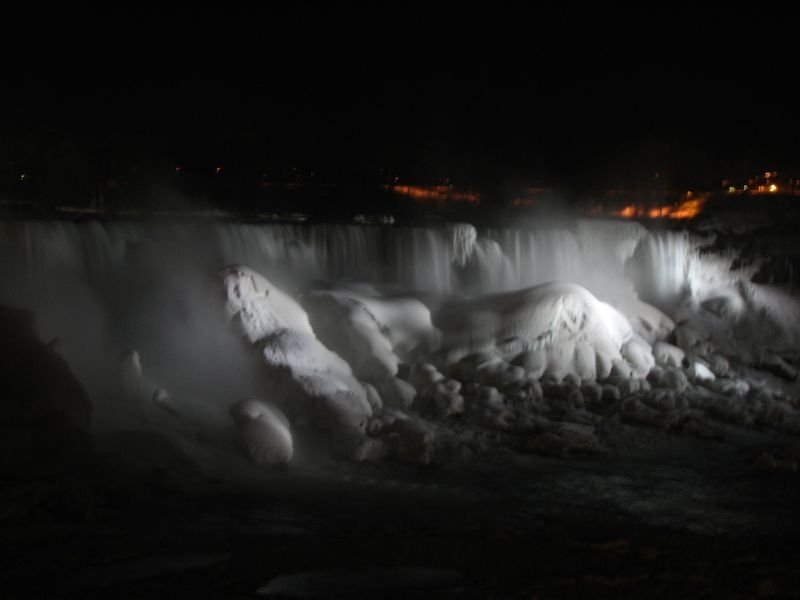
[373,334]
[553,330]
[258,307]
[310,381]
[264,432]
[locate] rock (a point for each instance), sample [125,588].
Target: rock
[637,412]
[446,399]
[397,393]
[621,369]
[611,393]
[370,332]
[358,447]
[729,411]
[423,374]
[638,355]
[772,362]
[660,399]
[687,338]
[257,307]
[701,373]
[373,397]
[264,432]
[667,355]
[489,397]
[731,387]
[45,412]
[410,440]
[719,365]
[674,379]
[508,377]
[534,362]
[592,392]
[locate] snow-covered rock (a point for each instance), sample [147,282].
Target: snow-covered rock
[264,432]
[258,307]
[309,380]
[370,333]
[667,355]
[423,374]
[701,373]
[564,329]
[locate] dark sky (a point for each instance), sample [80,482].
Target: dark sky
[478,95]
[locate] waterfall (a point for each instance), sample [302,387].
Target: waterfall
[103,288]
[600,255]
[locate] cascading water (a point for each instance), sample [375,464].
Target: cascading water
[660,268]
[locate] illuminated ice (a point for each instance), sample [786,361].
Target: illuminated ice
[563,322]
[555,329]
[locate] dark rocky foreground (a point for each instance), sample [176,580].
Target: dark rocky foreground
[683,519]
[656,514]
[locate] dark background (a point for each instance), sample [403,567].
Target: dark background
[484,96]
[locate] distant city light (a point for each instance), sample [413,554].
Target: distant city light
[435,193]
[773,188]
[688,209]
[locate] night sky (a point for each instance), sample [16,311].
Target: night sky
[475,95]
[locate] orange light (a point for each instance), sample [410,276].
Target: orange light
[688,209]
[773,188]
[435,194]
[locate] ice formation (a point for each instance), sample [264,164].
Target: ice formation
[410,343]
[264,432]
[553,330]
[304,376]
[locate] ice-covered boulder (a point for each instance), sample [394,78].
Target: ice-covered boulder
[647,321]
[667,355]
[396,392]
[700,373]
[301,352]
[423,374]
[258,307]
[442,398]
[313,382]
[370,333]
[563,329]
[264,432]
[310,381]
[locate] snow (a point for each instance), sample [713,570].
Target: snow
[304,376]
[258,307]
[371,333]
[561,327]
[386,340]
[264,432]
[667,355]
